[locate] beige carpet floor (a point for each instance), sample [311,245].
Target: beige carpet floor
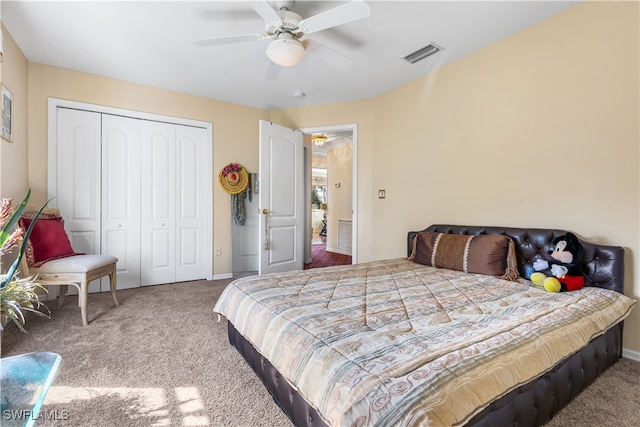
[163,359]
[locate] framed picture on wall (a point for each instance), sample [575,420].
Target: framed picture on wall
[7,114]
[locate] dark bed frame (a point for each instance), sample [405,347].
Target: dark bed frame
[531,404]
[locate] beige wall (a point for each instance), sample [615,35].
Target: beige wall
[339,170]
[13,155]
[538,130]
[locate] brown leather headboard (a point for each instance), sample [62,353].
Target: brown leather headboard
[603,266]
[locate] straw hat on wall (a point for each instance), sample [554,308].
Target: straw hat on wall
[233,178]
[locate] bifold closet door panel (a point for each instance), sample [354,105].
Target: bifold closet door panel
[158,209]
[121,138]
[192,163]
[76,185]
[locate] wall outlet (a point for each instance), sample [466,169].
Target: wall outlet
[218,250]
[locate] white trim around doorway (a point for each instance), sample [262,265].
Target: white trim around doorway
[353,127]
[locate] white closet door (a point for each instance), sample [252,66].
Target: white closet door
[192,227]
[121,196]
[76,188]
[158,209]
[134,188]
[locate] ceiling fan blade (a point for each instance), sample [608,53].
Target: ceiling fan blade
[229,40]
[267,13]
[329,56]
[272,71]
[349,12]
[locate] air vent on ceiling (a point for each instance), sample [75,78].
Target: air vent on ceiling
[422,53]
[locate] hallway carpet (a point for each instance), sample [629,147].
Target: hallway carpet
[321,258]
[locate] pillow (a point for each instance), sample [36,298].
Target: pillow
[493,255]
[46,213]
[47,241]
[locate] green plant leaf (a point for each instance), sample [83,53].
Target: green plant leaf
[23,247]
[19,296]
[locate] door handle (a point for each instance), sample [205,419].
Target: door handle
[265,212]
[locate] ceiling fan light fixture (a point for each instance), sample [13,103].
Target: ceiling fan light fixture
[285,51]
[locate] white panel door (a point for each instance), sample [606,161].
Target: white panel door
[158,203]
[76,191]
[245,238]
[192,186]
[121,196]
[281,198]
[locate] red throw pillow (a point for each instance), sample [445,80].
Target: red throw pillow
[48,241]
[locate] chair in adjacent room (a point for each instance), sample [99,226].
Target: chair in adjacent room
[50,257]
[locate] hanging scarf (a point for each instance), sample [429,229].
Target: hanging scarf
[237,208]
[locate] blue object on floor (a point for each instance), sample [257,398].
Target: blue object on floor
[24,384]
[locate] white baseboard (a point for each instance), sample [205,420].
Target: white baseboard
[631,354]
[338,251]
[222,276]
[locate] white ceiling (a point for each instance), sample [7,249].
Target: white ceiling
[334,139]
[151,43]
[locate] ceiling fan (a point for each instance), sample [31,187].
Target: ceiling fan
[286,29]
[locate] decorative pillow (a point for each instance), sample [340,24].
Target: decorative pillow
[47,241]
[46,213]
[493,255]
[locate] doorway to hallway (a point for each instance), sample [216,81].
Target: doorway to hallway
[332,175]
[320,257]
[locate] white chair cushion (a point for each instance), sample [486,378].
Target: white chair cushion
[75,264]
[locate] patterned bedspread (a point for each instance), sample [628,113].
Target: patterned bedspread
[397,343]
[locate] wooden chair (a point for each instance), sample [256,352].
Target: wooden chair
[76,270]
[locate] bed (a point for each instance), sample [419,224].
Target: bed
[397,342]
